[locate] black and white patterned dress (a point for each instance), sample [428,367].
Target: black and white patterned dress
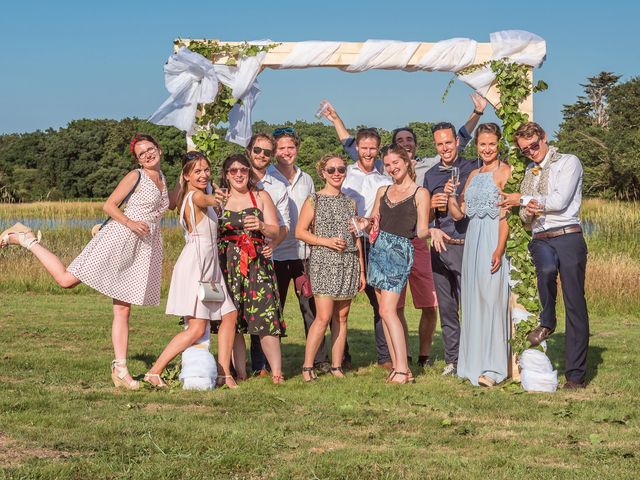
[334,274]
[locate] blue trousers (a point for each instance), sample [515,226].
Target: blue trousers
[565,255]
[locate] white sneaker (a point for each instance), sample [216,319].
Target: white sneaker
[449,369]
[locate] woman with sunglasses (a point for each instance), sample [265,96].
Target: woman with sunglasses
[124,258]
[248,218]
[484,332]
[197,262]
[336,264]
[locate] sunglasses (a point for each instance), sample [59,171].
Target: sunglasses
[241,171]
[534,147]
[283,131]
[266,151]
[332,170]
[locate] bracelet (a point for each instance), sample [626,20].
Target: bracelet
[477,112]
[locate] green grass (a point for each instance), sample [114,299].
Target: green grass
[61,418]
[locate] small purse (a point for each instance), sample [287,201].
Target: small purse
[303,282]
[208,291]
[98,226]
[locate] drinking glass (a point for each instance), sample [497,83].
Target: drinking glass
[322,108]
[455,177]
[358,232]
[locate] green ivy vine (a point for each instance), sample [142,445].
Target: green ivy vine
[211,114]
[514,86]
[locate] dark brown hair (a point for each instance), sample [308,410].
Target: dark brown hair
[243,160]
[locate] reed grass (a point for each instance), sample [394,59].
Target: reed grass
[612,227]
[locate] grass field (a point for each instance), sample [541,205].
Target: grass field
[60,417]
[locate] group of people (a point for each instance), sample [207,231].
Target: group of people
[263,226]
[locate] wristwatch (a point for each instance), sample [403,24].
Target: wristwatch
[477,112]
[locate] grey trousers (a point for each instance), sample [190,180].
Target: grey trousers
[447,268]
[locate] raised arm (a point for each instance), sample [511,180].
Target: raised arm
[348,142]
[465,132]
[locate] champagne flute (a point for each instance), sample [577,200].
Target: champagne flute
[455,179]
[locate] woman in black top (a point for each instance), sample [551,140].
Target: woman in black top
[400,213]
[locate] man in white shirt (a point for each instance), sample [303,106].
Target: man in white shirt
[260,151]
[288,256]
[551,196]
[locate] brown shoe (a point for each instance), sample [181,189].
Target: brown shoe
[263,372]
[571,385]
[538,335]
[386,365]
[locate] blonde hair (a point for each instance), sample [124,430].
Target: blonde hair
[322,163]
[404,155]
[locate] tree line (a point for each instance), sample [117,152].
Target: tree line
[87,158]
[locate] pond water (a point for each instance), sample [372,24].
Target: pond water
[54,223]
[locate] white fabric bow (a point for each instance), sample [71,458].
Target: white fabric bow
[190,79]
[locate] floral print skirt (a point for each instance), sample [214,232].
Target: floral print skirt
[390,262]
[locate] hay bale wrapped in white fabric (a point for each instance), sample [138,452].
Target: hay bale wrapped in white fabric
[199,369]
[537,373]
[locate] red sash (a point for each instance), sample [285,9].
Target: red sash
[246,244]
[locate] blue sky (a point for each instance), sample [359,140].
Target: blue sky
[70,59]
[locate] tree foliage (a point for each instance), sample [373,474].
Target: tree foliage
[603,129]
[87,158]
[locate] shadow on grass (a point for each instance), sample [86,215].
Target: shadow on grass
[555,352]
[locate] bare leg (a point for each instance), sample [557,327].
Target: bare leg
[271,348]
[339,334]
[196,328]
[52,263]
[226,335]
[120,332]
[315,335]
[426,330]
[387,335]
[403,321]
[388,312]
[239,356]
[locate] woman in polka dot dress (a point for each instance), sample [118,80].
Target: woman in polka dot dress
[124,259]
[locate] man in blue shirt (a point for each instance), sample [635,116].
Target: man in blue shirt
[447,238]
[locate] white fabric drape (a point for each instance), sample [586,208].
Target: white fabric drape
[449,55]
[190,79]
[386,54]
[310,54]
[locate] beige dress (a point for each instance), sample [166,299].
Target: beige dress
[118,263]
[198,260]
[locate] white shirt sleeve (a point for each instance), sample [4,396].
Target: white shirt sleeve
[564,185]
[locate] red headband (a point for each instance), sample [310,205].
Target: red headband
[133,143]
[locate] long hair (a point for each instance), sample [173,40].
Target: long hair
[252,183]
[402,153]
[188,164]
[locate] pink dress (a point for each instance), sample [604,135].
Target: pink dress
[197,261]
[118,263]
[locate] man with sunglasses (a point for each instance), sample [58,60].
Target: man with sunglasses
[260,151]
[551,197]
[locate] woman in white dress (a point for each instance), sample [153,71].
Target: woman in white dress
[124,259]
[197,262]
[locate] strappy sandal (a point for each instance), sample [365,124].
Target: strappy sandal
[154,376]
[485,381]
[118,373]
[407,378]
[21,231]
[312,374]
[390,375]
[277,379]
[337,369]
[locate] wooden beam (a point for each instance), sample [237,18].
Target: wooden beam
[346,54]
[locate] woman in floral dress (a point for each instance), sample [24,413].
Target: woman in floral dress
[247,221]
